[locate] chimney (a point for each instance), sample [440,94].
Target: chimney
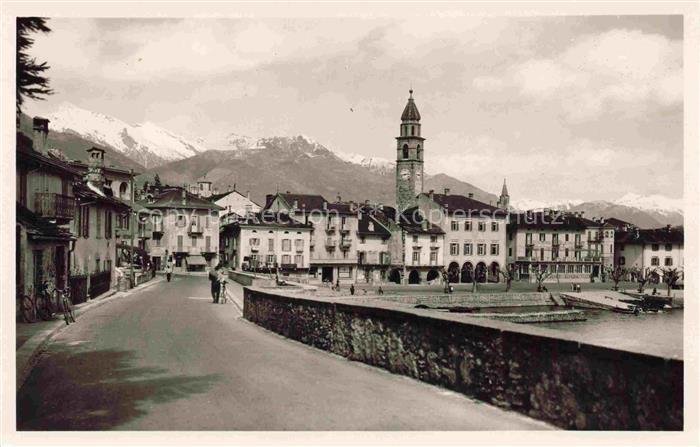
[325,206]
[447,191]
[470,195]
[247,194]
[338,198]
[431,194]
[40,134]
[95,167]
[216,190]
[229,188]
[295,205]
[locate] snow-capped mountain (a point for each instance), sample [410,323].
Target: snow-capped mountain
[145,143]
[645,211]
[230,141]
[243,144]
[531,204]
[656,203]
[653,202]
[376,164]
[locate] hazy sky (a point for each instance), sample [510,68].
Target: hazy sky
[564,107]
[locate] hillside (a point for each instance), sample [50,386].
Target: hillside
[299,165]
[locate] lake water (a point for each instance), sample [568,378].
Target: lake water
[657,333]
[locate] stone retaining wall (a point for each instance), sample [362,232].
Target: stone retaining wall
[542,373]
[510,299]
[249,279]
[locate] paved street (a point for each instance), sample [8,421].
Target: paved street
[169,359]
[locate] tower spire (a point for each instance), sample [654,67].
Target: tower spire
[504,199]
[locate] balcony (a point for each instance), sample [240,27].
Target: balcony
[330,228]
[54,206]
[195,229]
[330,243]
[208,250]
[255,248]
[157,228]
[345,244]
[344,230]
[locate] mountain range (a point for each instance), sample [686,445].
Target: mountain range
[264,165]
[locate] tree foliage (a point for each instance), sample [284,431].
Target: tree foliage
[670,277]
[156,182]
[508,275]
[32,82]
[616,274]
[643,277]
[540,272]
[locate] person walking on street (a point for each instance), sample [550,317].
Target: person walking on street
[352,289]
[215,286]
[168,271]
[222,277]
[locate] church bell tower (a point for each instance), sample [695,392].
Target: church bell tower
[409,157]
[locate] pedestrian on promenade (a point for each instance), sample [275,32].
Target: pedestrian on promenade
[222,278]
[168,271]
[352,289]
[380,291]
[215,285]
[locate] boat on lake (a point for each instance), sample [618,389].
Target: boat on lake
[613,301]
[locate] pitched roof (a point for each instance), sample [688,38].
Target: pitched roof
[89,192]
[452,203]
[269,219]
[413,222]
[656,236]
[179,198]
[369,225]
[618,223]
[315,202]
[38,227]
[308,201]
[29,157]
[410,112]
[554,220]
[215,197]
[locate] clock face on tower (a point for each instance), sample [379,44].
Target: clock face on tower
[404,173]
